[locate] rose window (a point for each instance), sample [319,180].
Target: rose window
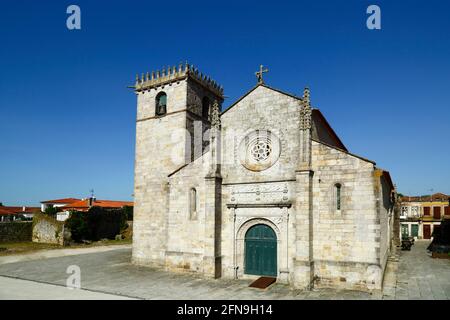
[261,150]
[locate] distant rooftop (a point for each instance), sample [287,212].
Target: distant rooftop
[441,197]
[83,205]
[62,201]
[4,210]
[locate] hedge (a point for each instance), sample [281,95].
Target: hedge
[96,224]
[15,231]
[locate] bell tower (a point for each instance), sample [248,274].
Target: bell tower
[173,111]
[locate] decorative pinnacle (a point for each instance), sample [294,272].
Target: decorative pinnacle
[215,115]
[259,74]
[305,111]
[306,97]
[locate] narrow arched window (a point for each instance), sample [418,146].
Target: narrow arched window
[161,104]
[205,107]
[338,194]
[193,204]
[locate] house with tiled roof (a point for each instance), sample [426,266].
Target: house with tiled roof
[8,213]
[85,204]
[67,205]
[56,203]
[421,214]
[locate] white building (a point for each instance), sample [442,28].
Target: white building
[58,203]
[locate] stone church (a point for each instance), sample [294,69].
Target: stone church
[263,188]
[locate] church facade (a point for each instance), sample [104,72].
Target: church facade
[264,188]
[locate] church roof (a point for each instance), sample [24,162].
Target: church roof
[322,135]
[388,178]
[345,151]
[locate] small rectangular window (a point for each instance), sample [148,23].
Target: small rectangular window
[193,204]
[437,213]
[338,196]
[404,211]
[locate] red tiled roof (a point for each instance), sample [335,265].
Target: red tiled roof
[4,210]
[62,201]
[18,210]
[83,205]
[435,197]
[21,209]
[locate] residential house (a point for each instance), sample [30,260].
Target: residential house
[8,214]
[57,203]
[84,205]
[420,214]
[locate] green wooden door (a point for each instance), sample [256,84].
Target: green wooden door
[405,232]
[414,230]
[261,251]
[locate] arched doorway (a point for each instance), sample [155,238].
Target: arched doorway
[261,251]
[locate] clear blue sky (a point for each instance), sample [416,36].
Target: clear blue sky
[68,120]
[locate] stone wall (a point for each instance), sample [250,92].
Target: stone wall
[185,234]
[47,229]
[346,241]
[15,231]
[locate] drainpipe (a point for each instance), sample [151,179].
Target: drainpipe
[234,244]
[287,240]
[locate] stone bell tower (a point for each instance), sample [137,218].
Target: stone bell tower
[173,110]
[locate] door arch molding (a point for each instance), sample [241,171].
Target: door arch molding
[242,231]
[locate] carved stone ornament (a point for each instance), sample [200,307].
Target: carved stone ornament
[215,115]
[305,118]
[259,150]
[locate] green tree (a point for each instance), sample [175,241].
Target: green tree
[51,211]
[78,225]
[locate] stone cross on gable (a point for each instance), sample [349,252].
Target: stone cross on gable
[259,74]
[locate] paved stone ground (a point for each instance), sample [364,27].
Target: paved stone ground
[421,277]
[54,253]
[109,272]
[17,289]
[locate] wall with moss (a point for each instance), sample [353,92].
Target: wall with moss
[47,229]
[15,231]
